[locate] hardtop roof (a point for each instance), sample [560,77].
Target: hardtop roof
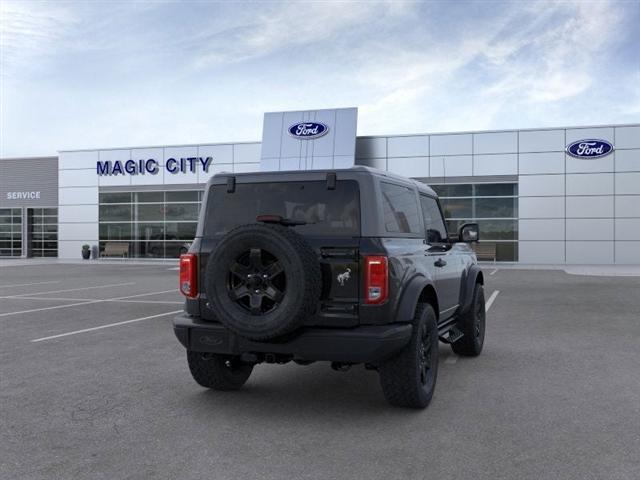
[221,178]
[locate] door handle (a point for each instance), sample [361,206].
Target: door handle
[440,263]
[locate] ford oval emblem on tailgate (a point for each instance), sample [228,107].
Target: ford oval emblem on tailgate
[590,148]
[308,130]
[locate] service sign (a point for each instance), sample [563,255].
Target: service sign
[589,148]
[308,130]
[23,195]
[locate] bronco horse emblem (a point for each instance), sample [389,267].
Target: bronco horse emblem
[343,277]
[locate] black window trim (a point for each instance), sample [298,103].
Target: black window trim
[444,220]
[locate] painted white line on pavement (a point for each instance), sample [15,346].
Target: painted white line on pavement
[89,302]
[28,284]
[451,360]
[144,294]
[494,272]
[33,310]
[491,299]
[66,299]
[104,326]
[154,302]
[72,289]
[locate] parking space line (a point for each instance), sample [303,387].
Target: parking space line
[67,299]
[494,271]
[33,310]
[72,289]
[84,330]
[28,284]
[89,302]
[491,300]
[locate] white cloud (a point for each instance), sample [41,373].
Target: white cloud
[29,30]
[156,72]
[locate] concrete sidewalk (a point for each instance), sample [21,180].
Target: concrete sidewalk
[594,270]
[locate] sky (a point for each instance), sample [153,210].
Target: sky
[96,74]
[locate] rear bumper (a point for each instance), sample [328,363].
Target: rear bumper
[365,344]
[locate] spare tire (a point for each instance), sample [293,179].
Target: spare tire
[262,281]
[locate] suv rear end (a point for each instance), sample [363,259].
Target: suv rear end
[306,266]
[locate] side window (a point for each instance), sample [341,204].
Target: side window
[433,222]
[400,209]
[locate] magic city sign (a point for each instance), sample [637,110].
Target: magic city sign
[151,166]
[589,148]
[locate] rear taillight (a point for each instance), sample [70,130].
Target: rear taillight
[189,275]
[376,279]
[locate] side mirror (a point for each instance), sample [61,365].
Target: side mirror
[469,232]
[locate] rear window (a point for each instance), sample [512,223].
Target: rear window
[327,212]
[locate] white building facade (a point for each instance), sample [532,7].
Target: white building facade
[535,202]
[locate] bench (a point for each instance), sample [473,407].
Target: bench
[112,249]
[485,251]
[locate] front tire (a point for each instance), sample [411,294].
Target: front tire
[409,378]
[218,372]
[472,325]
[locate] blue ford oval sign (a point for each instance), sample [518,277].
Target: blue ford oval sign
[308,130]
[589,148]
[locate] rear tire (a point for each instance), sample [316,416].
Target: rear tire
[472,325]
[218,372]
[409,378]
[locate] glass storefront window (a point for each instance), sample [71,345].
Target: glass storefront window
[150,231]
[494,206]
[186,196]
[149,197]
[42,229]
[115,231]
[149,213]
[457,207]
[10,232]
[181,231]
[182,212]
[463,190]
[154,224]
[495,189]
[115,197]
[115,213]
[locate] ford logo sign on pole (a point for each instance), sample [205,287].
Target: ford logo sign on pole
[308,130]
[589,148]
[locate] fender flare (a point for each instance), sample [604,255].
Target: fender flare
[474,275]
[409,299]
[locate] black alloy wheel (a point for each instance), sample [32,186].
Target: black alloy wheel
[472,324]
[257,281]
[424,357]
[479,320]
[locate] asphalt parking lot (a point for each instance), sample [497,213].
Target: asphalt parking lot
[555,394]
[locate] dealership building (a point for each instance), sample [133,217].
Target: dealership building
[567,195]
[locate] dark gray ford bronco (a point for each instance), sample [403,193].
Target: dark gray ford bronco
[347,266]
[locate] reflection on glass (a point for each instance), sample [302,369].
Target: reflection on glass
[149,197]
[143,222]
[457,207]
[497,217]
[115,197]
[496,207]
[495,189]
[462,190]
